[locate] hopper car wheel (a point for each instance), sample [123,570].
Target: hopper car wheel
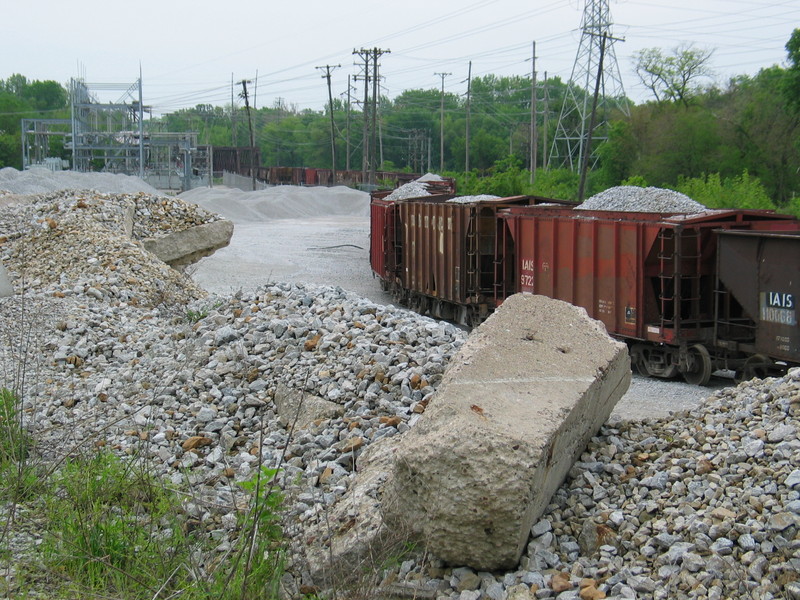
[755,366]
[699,368]
[639,359]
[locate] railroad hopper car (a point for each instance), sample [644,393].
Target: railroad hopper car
[437,255]
[689,293]
[759,274]
[652,279]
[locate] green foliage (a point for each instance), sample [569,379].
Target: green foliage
[114,529]
[14,441]
[791,86]
[257,566]
[636,180]
[193,316]
[561,184]
[20,477]
[743,191]
[672,77]
[23,99]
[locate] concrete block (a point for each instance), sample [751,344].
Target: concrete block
[190,245]
[299,410]
[516,408]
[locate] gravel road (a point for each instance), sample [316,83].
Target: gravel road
[334,250]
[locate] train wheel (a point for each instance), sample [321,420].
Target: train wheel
[756,366]
[639,359]
[698,370]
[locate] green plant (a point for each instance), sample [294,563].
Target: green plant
[14,441]
[193,316]
[112,528]
[21,477]
[258,563]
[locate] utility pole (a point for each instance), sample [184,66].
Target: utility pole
[255,91]
[376,54]
[141,127]
[365,55]
[469,89]
[347,126]
[441,124]
[233,123]
[534,131]
[370,120]
[333,124]
[244,83]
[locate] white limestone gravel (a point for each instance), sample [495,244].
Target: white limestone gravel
[701,504]
[638,199]
[39,180]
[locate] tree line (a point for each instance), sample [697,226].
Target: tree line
[732,145]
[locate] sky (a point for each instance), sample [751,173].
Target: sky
[189,52]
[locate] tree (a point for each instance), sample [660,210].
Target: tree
[792,83]
[673,77]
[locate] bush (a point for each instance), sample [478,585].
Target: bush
[712,191]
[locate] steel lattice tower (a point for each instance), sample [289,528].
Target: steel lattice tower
[595,67]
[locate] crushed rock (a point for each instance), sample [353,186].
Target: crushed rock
[76,242]
[471,199]
[631,198]
[39,180]
[412,189]
[704,504]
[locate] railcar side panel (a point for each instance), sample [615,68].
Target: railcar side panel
[762,272]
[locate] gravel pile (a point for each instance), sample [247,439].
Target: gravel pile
[471,199]
[705,504]
[74,243]
[636,199]
[126,354]
[412,189]
[280,202]
[39,180]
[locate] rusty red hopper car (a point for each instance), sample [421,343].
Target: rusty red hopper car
[689,293]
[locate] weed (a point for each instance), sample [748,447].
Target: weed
[112,528]
[193,316]
[14,442]
[259,560]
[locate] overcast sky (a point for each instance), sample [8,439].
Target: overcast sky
[189,51]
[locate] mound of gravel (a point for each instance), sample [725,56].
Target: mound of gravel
[412,189]
[39,180]
[471,199]
[280,202]
[73,243]
[636,199]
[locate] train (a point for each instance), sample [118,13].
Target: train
[690,294]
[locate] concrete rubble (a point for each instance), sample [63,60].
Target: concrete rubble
[517,406]
[520,402]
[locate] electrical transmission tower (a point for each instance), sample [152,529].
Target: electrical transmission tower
[594,90]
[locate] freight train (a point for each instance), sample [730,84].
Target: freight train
[689,293]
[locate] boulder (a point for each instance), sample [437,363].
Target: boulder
[355,540]
[6,288]
[299,410]
[515,409]
[190,245]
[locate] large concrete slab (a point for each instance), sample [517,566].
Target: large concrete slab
[516,408]
[190,245]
